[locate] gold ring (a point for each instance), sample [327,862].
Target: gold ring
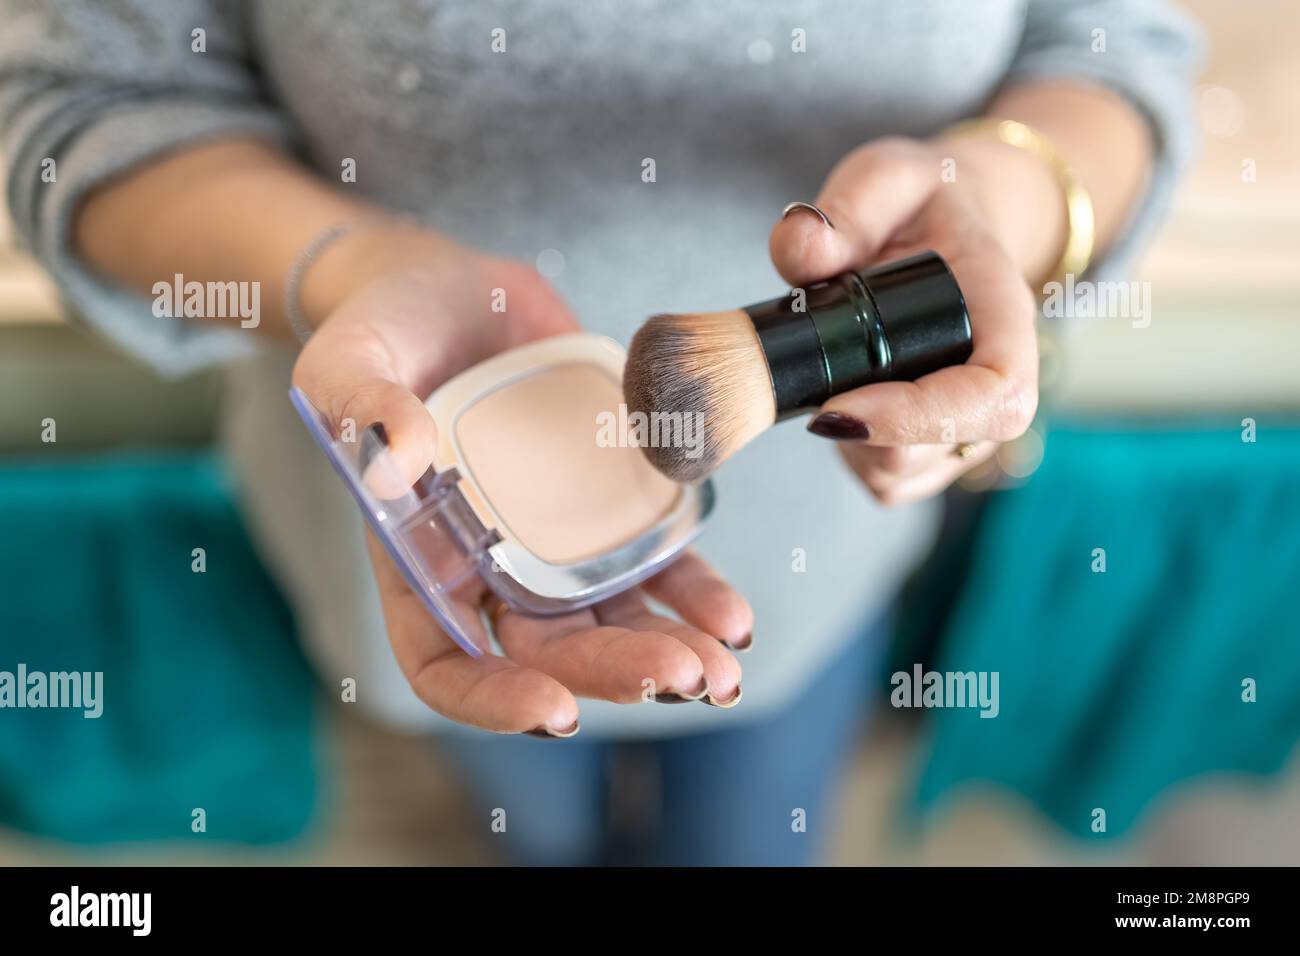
[964,450]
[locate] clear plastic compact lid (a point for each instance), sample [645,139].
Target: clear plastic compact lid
[419,526]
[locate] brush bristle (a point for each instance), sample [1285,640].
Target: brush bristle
[707,366]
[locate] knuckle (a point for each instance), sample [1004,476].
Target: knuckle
[890,497]
[1019,405]
[525,279]
[891,150]
[893,458]
[357,405]
[882,488]
[344,408]
[904,162]
[1026,304]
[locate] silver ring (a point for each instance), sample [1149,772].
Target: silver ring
[790,207]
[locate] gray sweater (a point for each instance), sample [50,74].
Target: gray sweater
[540,148]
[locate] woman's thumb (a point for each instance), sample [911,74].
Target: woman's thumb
[362,402]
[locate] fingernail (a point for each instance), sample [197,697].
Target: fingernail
[675,697]
[741,645]
[839,426]
[546,733]
[725,704]
[791,207]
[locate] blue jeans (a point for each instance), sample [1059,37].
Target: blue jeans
[726,798]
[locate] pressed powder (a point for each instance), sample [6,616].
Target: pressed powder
[531,448]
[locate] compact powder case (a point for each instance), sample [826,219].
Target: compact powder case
[527,493]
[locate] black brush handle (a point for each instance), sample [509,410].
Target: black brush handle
[896,322]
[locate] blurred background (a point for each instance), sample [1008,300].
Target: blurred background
[1134,708]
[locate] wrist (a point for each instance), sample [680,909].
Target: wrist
[366,252]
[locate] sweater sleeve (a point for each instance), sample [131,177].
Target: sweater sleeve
[1148,52]
[90,88]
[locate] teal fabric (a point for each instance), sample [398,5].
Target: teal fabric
[208,702]
[1118,687]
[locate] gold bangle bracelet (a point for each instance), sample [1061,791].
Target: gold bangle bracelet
[1080,222]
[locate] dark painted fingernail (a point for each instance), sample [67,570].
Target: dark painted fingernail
[546,733]
[677,698]
[807,207]
[741,645]
[839,426]
[731,702]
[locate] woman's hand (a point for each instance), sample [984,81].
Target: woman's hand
[886,201]
[398,311]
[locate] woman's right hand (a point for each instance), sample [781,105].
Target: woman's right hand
[398,310]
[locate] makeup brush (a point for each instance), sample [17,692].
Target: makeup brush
[739,372]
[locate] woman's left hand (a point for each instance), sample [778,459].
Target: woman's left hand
[888,200]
